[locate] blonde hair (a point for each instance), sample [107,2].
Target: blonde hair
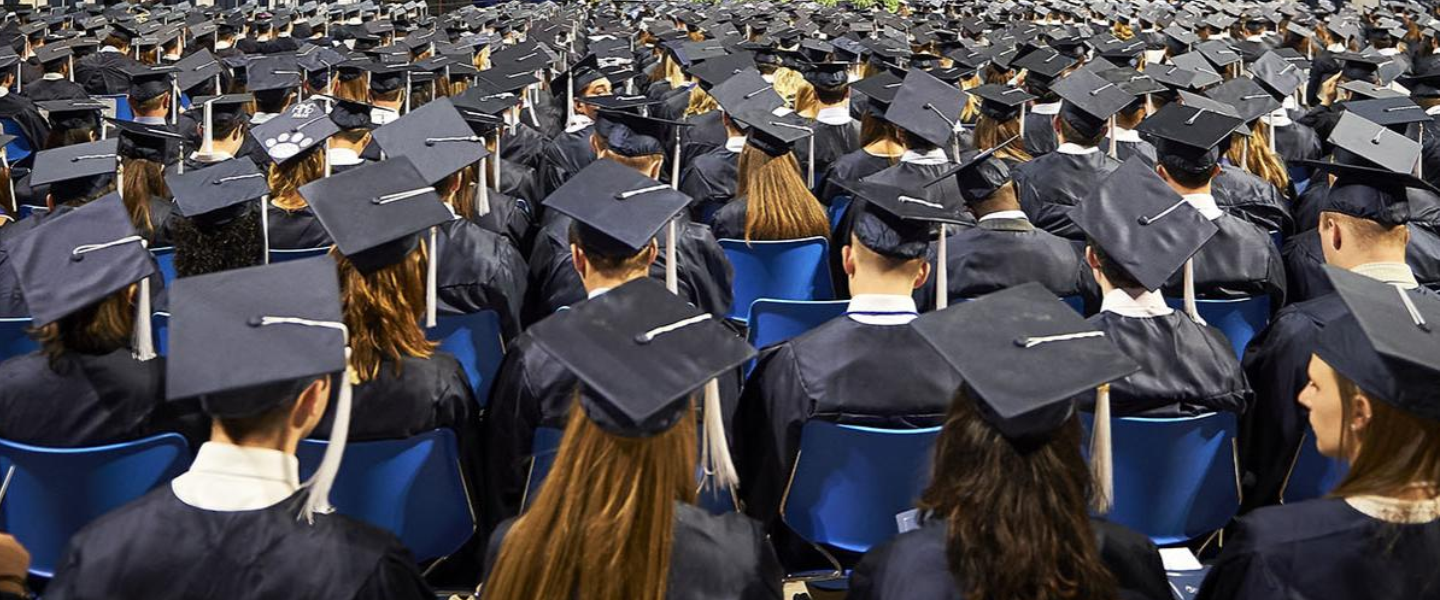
[382,311]
[778,206]
[1259,159]
[788,83]
[990,133]
[701,102]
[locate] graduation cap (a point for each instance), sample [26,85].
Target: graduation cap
[1179,78]
[926,107]
[76,162]
[1249,99]
[436,139]
[1390,112]
[1388,345]
[301,127]
[827,75]
[73,114]
[1001,102]
[618,102]
[350,115]
[718,70]
[1090,101]
[200,67]
[1187,136]
[1367,192]
[386,78]
[980,176]
[631,134]
[1359,137]
[619,208]
[746,87]
[581,74]
[1218,53]
[897,222]
[1046,64]
[1356,66]
[1366,89]
[1278,76]
[1142,224]
[218,193]
[148,82]
[376,212]
[145,142]
[274,73]
[53,53]
[880,89]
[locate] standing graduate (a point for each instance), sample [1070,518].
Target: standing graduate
[1006,513]
[259,349]
[1372,403]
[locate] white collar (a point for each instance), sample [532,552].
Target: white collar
[1434,110]
[1005,214]
[1076,149]
[1153,57]
[1394,510]
[210,157]
[1147,304]
[768,78]
[834,115]
[1205,203]
[4,91]
[735,145]
[1046,108]
[222,45]
[384,116]
[1336,47]
[110,50]
[1398,274]
[1255,38]
[150,120]
[897,309]
[1279,117]
[1126,135]
[578,122]
[933,157]
[1388,51]
[596,292]
[344,157]
[260,118]
[52,77]
[229,478]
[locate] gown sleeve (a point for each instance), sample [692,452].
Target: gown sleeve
[1275,363]
[396,577]
[773,407]
[511,418]
[1241,574]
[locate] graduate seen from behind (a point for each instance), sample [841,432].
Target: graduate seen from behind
[1007,514]
[259,348]
[616,515]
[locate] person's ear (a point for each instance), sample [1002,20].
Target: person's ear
[1090,259]
[923,275]
[310,407]
[652,253]
[1361,411]
[847,258]
[577,257]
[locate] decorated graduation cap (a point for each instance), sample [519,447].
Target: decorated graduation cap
[301,127]
[641,352]
[1001,102]
[927,107]
[1388,345]
[219,193]
[619,209]
[245,341]
[435,138]
[1188,136]
[1278,76]
[1090,101]
[998,342]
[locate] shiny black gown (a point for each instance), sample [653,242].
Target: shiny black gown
[1186,369]
[519,181]
[296,230]
[135,552]
[523,145]
[1297,142]
[831,143]
[105,73]
[1239,262]
[710,180]
[1252,199]
[914,566]
[1051,185]
[480,270]
[1124,150]
[705,132]
[852,166]
[1040,134]
[1001,253]
[511,218]
[55,89]
[712,557]
[23,112]
[1324,549]
[425,394]
[565,155]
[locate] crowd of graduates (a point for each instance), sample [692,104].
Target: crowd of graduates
[1025,205]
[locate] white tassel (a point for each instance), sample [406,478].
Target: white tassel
[1191,308]
[482,193]
[144,341]
[942,274]
[672,276]
[1245,154]
[431,267]
[265,229]
[1022,119]
[317,498]
[1113,141]
[1102,466]
[719,469]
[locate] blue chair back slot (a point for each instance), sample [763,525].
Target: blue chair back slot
[160,329]
[165,263]
[13,340]
[278,255]
[476,342]
[19,148]
[1314,474]
[1076,302]
[782,270]
[26,210]
[836,211]
[123,112]
[542,458]
[1239,319]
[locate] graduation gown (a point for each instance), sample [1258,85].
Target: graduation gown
[712,557]
[425,394]
[105,73]
[1001,253]
[705,132]
[1324,549]
[523,145]
[55,89]
[914,565]
[565,155]
[851,166]
[23,112]
[1186,369]
[1305,261]
[1252,199]
[480,270]
[518,181]
[1241,260]
[511,218]
[831,143]
[843,371]
[1051,185]
[710,182]
[1040,134]
[1430,151]
[134,552]
[1297,142]
[296,230]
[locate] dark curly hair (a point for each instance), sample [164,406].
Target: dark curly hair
[201,249]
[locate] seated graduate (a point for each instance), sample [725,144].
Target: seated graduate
[620,497]
[705,129]
[224,134]
[1042,67]
[104,73]
[404,387]
[612,240]
[772,201]
[866,368]
[259,349]
[999,122]
[346,148]
[220,225]
[826,102]
[1006,514]
[1253,180]
[507,215]
[142,186]
[274,82]
[72,122]
[1241,260]
[388,93]
[881,145]
[711,177]
[1373,404]
[295,144]
[925,110]
[1293,141]
[93,380]
[1141,232]
[1004,249]
[1050,185]
[18,108]
[575,148]
[55,84]
[1362,229]
[1127,141]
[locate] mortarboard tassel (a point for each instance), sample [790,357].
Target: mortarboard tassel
[672,279]
[317,499]
[1245,154]
[1022,118]
[719,468]
[1420,164]
[482,192]
[265,229]
[942,275]
[1112,137]
[1189,283]
[1102,466]
[431,267]
[144,341]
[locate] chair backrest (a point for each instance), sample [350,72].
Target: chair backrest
[160,330]
[1175,479]
[13,340]
[781,269]
[165,262]
[836,211]
[123,112]
[19,148]
[476,342]
[850,482]
[542,458]
[411,487]
[278,255]
[774,321]
[1076,302]
[57,491]
[1239,319]
[26,210]
[1313,474]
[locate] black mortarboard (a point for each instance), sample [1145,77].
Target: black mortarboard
[716,71]
[78,161]
[774,132]
[584,72]
[69,263]
[1249,99]
[435,138]
[148,82]
[1001,102]
[1218,53]
[1179,78]
[376,212]
[979,176]
[1044,63]
[618,102]
[1277,75]
[1194,61]
[218,192]
[385,78]
[147,142]
[301,127]
[1388,345]
[277,73]
[1189,135]
[641,351]
[631,134]
[1366,192]
[926,107]
[620,208]
[896,222]
[1142,224]
[73,114]
[827,75]
[1090,101]
[1366,89]
[196,69]
[998,343]
[350,115]
[1375,143]
[1390,112]
[52,53]
[1357,66]
[746,87]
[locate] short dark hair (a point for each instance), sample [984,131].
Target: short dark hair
[830,95]
[603,252]
[1117,274]
[248,426]
[915,142]
[1074,136]
[1184,172]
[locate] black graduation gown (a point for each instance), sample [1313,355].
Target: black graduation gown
[1324,549]
[279,45]
[1001,253]
[852,166]
[479,270]
[710,182]
[704,133]
[1186,368]
[509,218]
[1305,261]
[296,230]
[426,394]
[831,143]
[1240,261]
[1297,142]
[56,89]
[162,216]
[712,557]
[1430,151]
[23,112]
[523,145]
[1040,134]
[1322,119]
[565,155]
[1050,185]
[518,181]
[1322,67]
[134,552]
[1124,150]
[1253,199]
[842,371]
[105,73]
[914,565]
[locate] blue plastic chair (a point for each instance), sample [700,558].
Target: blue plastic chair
[1277,238]
[278,255]
[542,458]
[160,329]
[850,482]
[19,148]
[1313,474]
[1239,319]
[165,262]
[1300,178]
[836,211]
[26,210]
[123,112]
[476,342]
[1076,302]
[780,270]
[1175,479]
[774,321]
[411,487]
[13,339]
[58,491]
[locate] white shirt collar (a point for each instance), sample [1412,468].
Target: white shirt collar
[1205,203]
[229,478]
[210,157]
[1126,135]
[1398,274]
[735,144]
[578,122]
[896,309]
[223,45]
[835,115]
[1434,110]
[1279,117]
[344,157]
[150,120]
[1046,108]
[935,156]
[1388,51]
[52,76]
[260,118]
[768,78]
[1076,149]
[110,50]
[1147,304]
[1255,38]
[1005,214]
[4,91]
[383,116]
[1394,510]
[596,292]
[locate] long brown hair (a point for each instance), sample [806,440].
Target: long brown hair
[1019,526]
[286,179]
[875,131]
[778,206]
[353,90]
[1396,449]
[1260,161]
[100,328]
[144,179]
[604,520]
[990,133]
[700,102]
[383,310]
